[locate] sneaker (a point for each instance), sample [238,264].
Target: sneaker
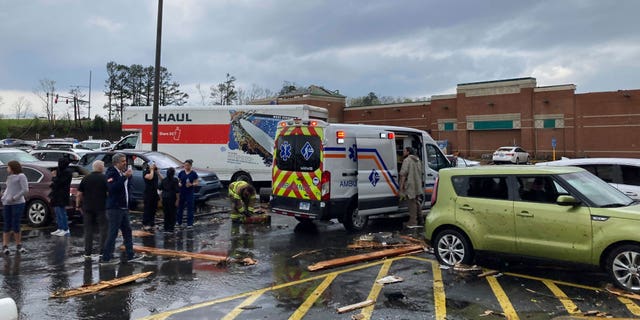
[5,250]
[64,233]
[109,262]
[21,249]
[57,232]
[189,227]
[136,258]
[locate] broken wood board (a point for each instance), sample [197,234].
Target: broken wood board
[488,273]
[459,267]
[141,233]
[363,257]
[355,306]
[305,253]
[179,254]
[611,289]
[389,279]
[363,244]
[99,286]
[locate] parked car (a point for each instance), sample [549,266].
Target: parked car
[510,155]
[210,186]
[8,154]
[557,213]
[622,173]
[38,211]
[55,144]
[100,145]
[55,154]
[461,162]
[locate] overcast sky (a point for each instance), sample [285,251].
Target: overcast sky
[399,48]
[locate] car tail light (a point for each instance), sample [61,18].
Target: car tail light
[434,193]
[509,154]
[325,186]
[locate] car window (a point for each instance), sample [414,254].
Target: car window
[136,161]
[19,156]
[435,158]
[595,190]
[537,189]
[630,175]
[298,153]
[32,174]
[481,187]
[609,173]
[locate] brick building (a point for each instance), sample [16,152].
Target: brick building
[482,116]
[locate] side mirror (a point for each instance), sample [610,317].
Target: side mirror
[565,200]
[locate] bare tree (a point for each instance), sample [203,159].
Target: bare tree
[21,107]
[202,94]
[46,91]
[253,93]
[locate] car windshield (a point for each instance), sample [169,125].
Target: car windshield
[19,156]
[597,191]
[505,149]
[164,161]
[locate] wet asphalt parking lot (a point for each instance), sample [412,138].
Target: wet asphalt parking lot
[279,286]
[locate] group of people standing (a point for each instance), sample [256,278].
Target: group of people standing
[104,200]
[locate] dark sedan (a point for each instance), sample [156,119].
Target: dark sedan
[38,211]
[210,186]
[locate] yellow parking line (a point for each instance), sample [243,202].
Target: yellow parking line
[632,306]
[568,304]
[375,289]
[506,305]
[306,305]
[247,302]
[439,298]
[568,284]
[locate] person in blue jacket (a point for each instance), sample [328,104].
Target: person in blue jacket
[119,186]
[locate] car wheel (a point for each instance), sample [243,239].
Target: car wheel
[623,266]
[352,221]
[242,176]
[37,213]
[303,220]
[453,247]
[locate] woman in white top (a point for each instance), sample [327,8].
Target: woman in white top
[14,202]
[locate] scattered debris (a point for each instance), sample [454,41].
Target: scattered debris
[364,257]
[99,286]
[459,267]
[444,267]
[555,297]
[389,279]
[358,316]
[355,306]
[248,261]
[611,289]
[139,233]
[305,253]
[258,219]
[250,307]
[179,254]
[488,273]
[421,271]
[493,313]
[595,313]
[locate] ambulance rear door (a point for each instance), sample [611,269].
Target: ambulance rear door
[377,173]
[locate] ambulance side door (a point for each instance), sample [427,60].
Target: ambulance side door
[377,174]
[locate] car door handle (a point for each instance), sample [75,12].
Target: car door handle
[525,214]
[466,208]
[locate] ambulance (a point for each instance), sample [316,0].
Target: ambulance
[235,141]
[347,172]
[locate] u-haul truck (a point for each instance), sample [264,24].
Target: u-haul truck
[235,141]
[345,171]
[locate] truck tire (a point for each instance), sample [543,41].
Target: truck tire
[241,176]
[352,221]
[265,194]
[38,213]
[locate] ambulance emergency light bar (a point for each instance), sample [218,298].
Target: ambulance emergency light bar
[298,122]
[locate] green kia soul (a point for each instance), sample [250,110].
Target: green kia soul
[560,213]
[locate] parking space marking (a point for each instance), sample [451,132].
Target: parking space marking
[375,289]
[632,306]
[247,302]
[439,297]
[568,304]
[503,300]
[306,305]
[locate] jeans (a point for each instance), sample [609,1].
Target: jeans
[186,200]
[169,208]
[90,219]
[61,218]
[12,214]
[118,220]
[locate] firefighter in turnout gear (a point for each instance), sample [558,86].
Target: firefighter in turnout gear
[242,196]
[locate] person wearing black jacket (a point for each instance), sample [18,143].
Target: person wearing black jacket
[151,176]
[59,195]
[170,198]
[92,198]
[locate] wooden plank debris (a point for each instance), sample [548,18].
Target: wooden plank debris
[99,286]
[611,289]
[459,267]
[180,254]
[488,273]
[355,306]
[140,233]
[364,257]
[305,253]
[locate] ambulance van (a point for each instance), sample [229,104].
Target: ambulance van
[347,172]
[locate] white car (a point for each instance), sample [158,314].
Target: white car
[461,162]
[55,154]
[622,173]
[96,145]
[510,155]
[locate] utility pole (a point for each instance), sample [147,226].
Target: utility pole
[156,89]
[89,106]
